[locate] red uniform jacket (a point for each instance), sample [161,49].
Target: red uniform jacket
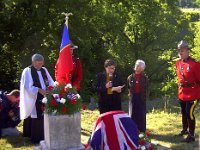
[76,75]
[188,73]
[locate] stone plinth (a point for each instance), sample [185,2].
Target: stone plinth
[62,132]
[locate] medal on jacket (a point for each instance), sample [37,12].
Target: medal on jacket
[188,68]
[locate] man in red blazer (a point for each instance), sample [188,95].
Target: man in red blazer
[188,72]
[76,74]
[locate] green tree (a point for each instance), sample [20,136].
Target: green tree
[123,30]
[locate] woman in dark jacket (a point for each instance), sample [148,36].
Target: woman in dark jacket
[137,86]
[109,86]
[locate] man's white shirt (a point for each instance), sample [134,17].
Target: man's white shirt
[28,92]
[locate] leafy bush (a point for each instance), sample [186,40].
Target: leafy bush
[194,16]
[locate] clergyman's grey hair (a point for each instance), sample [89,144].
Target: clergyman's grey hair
[37,57]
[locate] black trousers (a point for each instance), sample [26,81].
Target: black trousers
[110,103]
[34,129]
[0,129]
[138,112]
[188,118]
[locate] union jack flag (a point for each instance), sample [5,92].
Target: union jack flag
[114,130]
[71,96]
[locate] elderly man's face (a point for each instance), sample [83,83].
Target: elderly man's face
[38,64]
[72,50]
[14,99]
[183,53]
[138,69]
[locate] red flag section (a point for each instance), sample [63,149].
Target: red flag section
[64,63]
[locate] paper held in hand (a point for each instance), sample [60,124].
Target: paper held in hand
[118,88]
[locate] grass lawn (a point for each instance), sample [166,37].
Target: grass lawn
[162,121]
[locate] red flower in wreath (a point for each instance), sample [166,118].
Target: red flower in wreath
[66,90]
[53,102]
[62,92]
[150,148]
[141,142]
[50,88]
[73,101]
[63,110]
[42,108]
[84,107]
[148,133]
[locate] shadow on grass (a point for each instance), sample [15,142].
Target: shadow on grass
[187,146]
[18,141]
[85,132]
[176,142]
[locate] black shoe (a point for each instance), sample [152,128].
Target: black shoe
[189,139]
[183,132]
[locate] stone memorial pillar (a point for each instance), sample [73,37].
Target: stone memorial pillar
[62,132]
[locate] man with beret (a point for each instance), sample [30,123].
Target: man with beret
[188,72]
[75,75]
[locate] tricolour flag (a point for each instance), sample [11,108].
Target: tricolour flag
[114,130]
[64,63]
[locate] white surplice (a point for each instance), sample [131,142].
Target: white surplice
[28,92]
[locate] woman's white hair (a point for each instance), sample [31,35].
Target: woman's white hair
[37,57]
[140,63]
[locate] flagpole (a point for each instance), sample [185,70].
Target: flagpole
[67,17]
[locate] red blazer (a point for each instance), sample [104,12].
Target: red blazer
[188,73]
[76,74]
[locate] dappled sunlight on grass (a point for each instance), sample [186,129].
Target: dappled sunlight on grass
[165,124]
[88,119]
[162,122]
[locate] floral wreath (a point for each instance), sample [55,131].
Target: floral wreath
[61,100]
[145,141]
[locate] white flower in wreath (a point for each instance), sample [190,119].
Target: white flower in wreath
[69,86]
[78,96]
[44,100]
[143,147]
[155,143]
[62,100]
[54,112]
[141,135]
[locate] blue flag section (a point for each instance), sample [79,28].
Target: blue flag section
[65,37]
[64,63]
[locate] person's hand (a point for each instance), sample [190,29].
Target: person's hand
[118,89]
[41,91]
[109,84]
[129,95]
[11,113]
[114,89]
